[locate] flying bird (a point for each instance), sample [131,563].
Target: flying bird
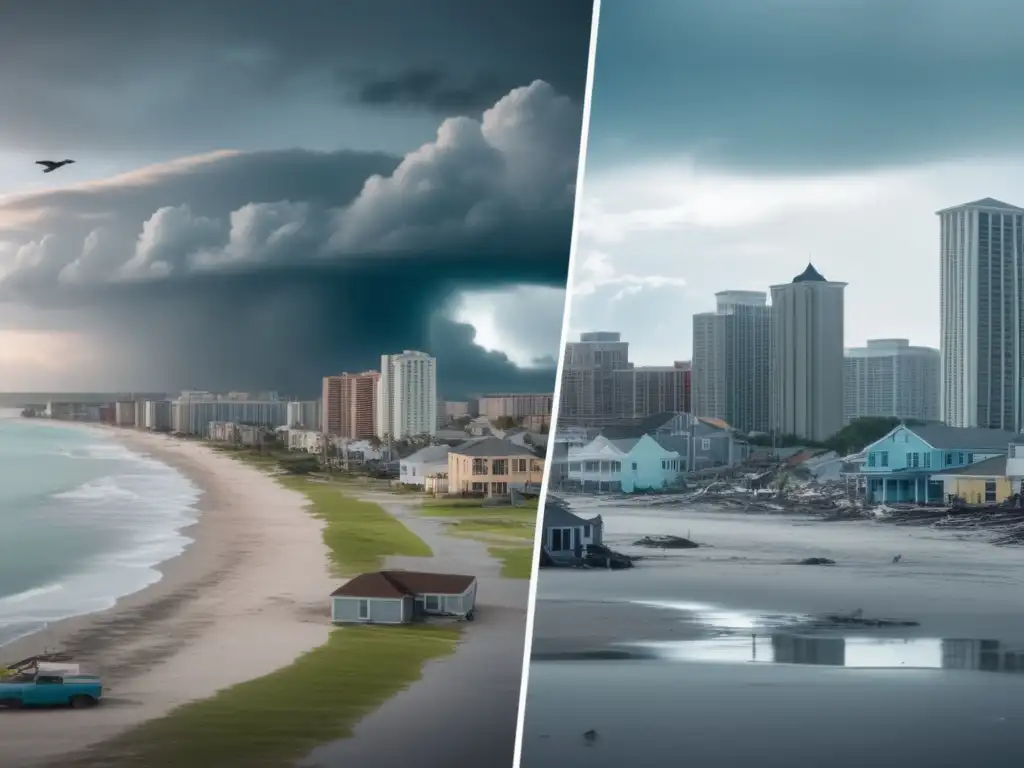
[49,166]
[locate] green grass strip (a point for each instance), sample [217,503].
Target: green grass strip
[516,562]
[274,720]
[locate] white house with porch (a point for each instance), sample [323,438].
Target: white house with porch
[627,465]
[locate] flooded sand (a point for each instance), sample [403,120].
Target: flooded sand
[729,652]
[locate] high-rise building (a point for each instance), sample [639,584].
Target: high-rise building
[588,395]
[981,295]
[407,395]
[305,414]
[730,367]
[889,377]
[192,412]
[647,390]
[806,360]
[349,405]
[515,406]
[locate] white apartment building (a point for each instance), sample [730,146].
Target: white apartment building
[307,440]
[730,366]
[889,377]
[806,357]
[192,412]
[407,395]
[124,413]
[981,297]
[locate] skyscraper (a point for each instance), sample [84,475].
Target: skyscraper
[981,295]
[650,389]
[349,403]
[588,396]
[730,371]
[807,356]
[407,395]
[889,377]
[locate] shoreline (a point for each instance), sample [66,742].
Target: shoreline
[165,569]
[256,567]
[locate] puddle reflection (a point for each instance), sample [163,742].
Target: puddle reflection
[854,652]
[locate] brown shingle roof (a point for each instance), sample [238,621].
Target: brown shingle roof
[396,584]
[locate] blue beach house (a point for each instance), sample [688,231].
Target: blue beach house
[901,466]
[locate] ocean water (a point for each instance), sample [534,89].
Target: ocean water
[83,522]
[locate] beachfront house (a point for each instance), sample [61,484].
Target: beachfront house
[566,534]
[904,466]
[627,465]
[984,482]
[400,597]
[703,443]
[429,461]
[493,467]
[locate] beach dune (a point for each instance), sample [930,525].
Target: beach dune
[246,598]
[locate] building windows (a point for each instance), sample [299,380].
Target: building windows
[518,465]
[634,466]
[479,466]
[927,460]
[914,460]
[970,458]
[575,466]
[949,459]
[499,489]
[705,444]
[990,491]
[364,609]
[432,602]
[884,458]
[871,459]
[499,467]
[960,458]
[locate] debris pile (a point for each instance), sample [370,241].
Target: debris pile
[666,542]
[816,561]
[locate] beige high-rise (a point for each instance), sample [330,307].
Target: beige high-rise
[350,405]
[806,357]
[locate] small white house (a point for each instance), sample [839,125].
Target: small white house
[627,465]
[429,461]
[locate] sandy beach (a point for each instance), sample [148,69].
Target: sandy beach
[703,684]
[247,597]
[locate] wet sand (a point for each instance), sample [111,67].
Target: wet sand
[463,711]
[720,710]
[257,569]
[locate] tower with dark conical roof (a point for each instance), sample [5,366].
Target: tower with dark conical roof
[806,356]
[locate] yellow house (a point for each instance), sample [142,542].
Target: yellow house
[493,467]
[982,483]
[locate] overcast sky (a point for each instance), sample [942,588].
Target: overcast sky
[269,192]
[731,142]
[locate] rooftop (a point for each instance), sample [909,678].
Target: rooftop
[986,202]
[994,467]
[492,446]
[395,584]
[964,438]
[810,275]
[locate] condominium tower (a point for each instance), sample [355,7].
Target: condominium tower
[806,359]
[649,389]
[890,378]
[407,395]
[588,395]
[981,295]
[730,371]
[349,405]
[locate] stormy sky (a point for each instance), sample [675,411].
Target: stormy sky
[269,192]
[731,142]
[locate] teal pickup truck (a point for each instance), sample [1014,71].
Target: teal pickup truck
[50,689]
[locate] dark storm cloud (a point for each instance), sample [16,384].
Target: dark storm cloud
[434,89]
[271,269]
[805,85]
[111,74]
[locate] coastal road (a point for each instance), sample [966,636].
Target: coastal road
[463,710]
